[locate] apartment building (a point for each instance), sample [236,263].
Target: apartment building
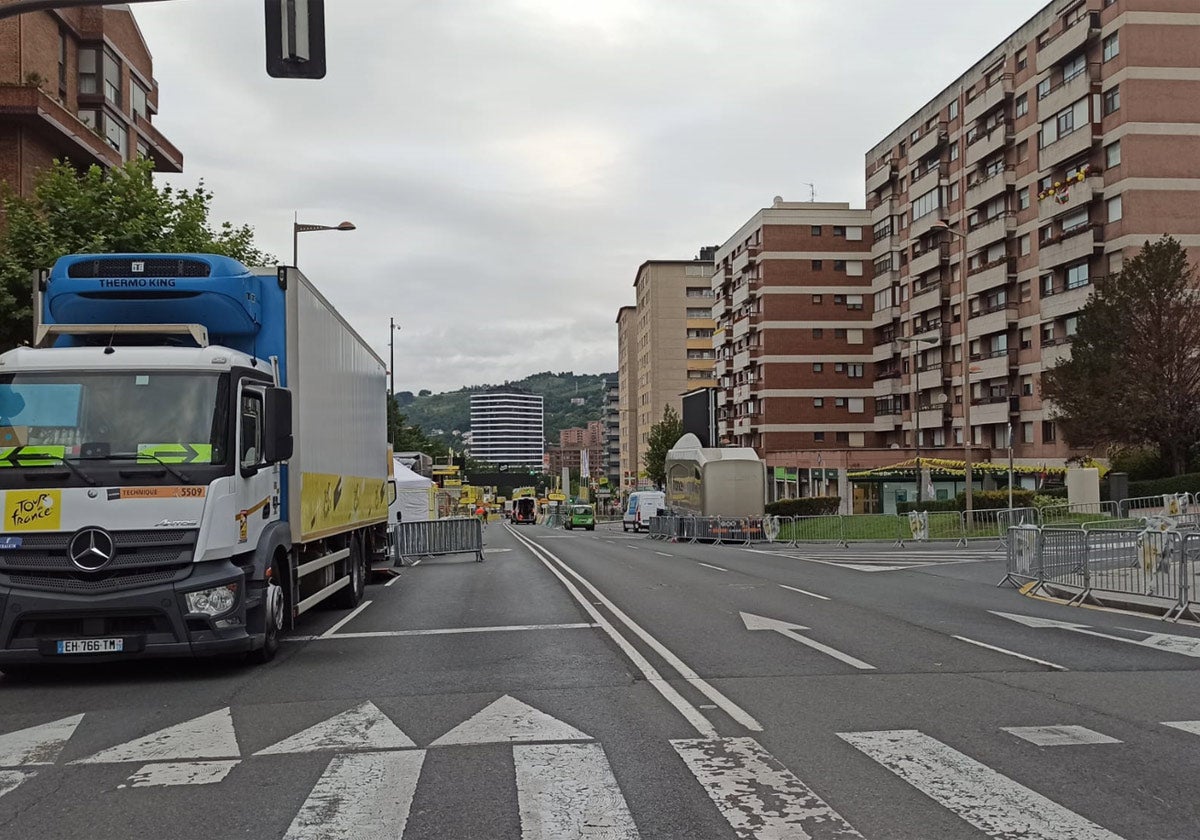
[612,432]
[673,330]
[508,427]
[76,84]
[627,377]
[792,303]
[574,443]
[1044,166]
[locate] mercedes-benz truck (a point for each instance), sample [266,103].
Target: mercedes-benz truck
[192,455]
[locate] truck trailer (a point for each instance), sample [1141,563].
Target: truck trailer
[192,455]
[707,481]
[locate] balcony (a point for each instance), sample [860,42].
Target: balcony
[740,262]
[888,384]
[994,320]
[1065,43]
[885,351]
[886,207]
[930,298]
[741,327]
[884,315]
[991,186]
[1075,195]
[1066,302]
[933,415]
[929,260]
[923,182]
[741,294]
[887,421]
[928,142]
[1076,143]
[994,274]
[1068,92]
[991,230]
[1055,351]
[1071,245]
[741,360]
[884,244]
[994,366]
[989,99]
[989,410]
[987,143]
[881,176]
[741,393]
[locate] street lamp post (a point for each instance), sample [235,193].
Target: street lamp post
[964,318]
[299,228]
[912,342]
[393,328]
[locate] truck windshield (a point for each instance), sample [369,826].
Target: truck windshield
[162,417]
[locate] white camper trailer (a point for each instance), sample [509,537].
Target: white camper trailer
[706,481]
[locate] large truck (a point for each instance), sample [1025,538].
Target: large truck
[192,455]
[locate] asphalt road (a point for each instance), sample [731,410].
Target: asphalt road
[603,685]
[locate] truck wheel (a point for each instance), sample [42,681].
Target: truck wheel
[273,616]
[348,597]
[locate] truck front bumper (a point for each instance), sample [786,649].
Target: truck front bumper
[150,621]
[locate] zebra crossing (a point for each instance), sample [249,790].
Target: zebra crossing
[563,783]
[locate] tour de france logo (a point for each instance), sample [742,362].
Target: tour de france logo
[32,510]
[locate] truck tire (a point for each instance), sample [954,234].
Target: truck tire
[273,610]
[348,597]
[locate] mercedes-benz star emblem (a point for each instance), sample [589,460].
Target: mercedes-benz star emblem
[91,549]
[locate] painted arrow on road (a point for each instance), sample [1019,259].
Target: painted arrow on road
[1183,645]
[784,628]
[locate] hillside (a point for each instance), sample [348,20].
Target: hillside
[451,411]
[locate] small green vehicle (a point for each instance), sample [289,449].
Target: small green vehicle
[581,516]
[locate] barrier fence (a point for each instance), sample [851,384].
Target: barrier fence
[458,535]
[1158,563]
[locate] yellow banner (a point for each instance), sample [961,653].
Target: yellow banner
[32,510]
[330,504]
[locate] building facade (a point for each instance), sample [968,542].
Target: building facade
[627,376]
[1045,166]
[76,84]
[508,427]
[793,346]
[612,433]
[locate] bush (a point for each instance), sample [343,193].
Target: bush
[810,506]
[980,500]
[1141,463]
[1188,483]
[929,505]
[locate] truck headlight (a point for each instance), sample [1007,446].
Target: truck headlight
[219,599]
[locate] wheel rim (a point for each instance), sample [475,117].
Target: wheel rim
[274,607]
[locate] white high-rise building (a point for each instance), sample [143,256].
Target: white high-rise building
[507,427]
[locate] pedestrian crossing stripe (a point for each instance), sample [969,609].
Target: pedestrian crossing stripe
[37,744]
[208,736]
[509,721]
[361,728]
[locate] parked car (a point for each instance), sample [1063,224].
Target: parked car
[580,516]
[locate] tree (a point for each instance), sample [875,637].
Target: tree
[98,211]
[405,437]
[1133,376]
[663,435]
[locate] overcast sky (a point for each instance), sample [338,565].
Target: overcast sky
[510,163]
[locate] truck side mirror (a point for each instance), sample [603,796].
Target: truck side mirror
[277,442]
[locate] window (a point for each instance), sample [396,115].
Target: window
[818,367]
[840,402]
[854,301]
[839,367]
[1022,105]
[114,133]
[954,150]
[112,78]
[839,333]
[90,118]
[1027,432]
[1114,209]
[1112,154]
[1027,386]
[1023,245]
[1043,89]
[818,437]
[699,292]
[926,204]
[842,437]
[839,265]
[816,230]
[1112,46]
[1077,275]
[954,191]
[817,264]
[1022,58]
[693,312]
[856,405]
[251,445]
[839,300]
[62,64]
[1075,220]
[1071,325]
[1074,67]
[137,97]
[839,230]
[89,75]
[1023,198]
[1112,100]
[1025,337]
[952,111]
[854,371]
[817,299]
[818,402]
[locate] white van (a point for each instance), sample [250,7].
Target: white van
[642,505]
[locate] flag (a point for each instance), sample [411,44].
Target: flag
[584,468]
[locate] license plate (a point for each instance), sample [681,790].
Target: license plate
[91,646]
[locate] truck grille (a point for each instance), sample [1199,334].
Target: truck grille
[154,267]
[141,558]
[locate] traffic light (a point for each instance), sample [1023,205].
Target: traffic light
[296,39]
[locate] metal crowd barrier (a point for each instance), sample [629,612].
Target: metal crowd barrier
[458,535]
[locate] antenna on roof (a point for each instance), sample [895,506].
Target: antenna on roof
[812,191]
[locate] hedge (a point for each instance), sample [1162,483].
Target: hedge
[1187,483]
[929,505]
[809,506]
[980,500]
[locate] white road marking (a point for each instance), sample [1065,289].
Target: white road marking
[508,720]
[363,796]
[1007,652]
[496,550]
[663,554]
[689,711]
[390,582]
[990,801]
[416,562]
[443,631]
[362,728]
[710,566]
[804,592]
[568,792]
[353,614]
[785,628]
[1059,736]
[1192,726]
[208,736]
[174,774]
[10,780]
[1183,645]
[38,744]
[758,796]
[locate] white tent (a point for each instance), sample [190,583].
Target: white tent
[415,496]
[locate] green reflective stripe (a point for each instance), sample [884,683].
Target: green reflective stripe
[175,453]
[31,456]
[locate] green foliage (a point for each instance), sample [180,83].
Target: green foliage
[932,505]
[808,506]
[405,437]
[451,411]
[1187,483]
[98,211]
[1140,463]
[1131,378]
[663,435]
[980,500]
